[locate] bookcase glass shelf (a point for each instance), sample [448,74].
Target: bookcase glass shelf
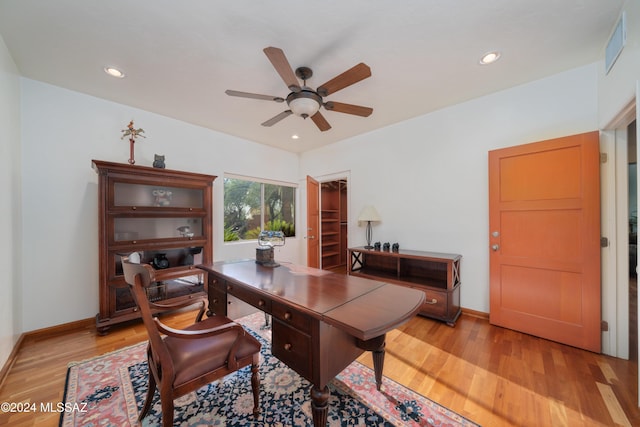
[126,228]
[145,195]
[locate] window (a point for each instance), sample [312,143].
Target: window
[252,206]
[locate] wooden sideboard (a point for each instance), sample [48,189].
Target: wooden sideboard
[436,274]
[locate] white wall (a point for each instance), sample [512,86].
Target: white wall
[61,132]
[428,176]
[10,206]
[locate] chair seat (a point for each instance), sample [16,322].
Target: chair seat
[194,358]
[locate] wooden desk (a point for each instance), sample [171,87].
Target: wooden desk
[322,321]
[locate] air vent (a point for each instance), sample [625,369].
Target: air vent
[616,43]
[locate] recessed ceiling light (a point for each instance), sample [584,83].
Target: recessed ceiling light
[489,57]
[294,136]
[114,72]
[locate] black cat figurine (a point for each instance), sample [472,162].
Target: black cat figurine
[158,161]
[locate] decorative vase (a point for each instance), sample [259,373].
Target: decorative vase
[160,261]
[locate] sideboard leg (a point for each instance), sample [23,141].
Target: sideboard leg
[320,405]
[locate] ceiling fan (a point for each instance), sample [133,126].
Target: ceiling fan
[304,101]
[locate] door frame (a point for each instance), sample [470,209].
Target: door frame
[345,175]
[614,226]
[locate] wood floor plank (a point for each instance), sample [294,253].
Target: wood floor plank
[615,409]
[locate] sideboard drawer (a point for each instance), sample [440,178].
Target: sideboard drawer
[291,317]
[435,304]
[292,347]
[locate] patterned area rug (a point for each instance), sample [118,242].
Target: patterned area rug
[109,390]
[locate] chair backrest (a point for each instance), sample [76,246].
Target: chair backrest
[140,277]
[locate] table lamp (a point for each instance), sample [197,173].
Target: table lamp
[369,214]
[266,241]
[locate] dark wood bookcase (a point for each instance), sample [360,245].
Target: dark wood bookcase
[436,274]
[163,216]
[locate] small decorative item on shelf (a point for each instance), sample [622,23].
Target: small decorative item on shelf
[161,196]
[185,231]
[266,241]
[386,247]
[132,133]
[158,161]
[188,257]
[395,247]
[160,261]
[376,246]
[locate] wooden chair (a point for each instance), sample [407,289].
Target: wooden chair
[185,360]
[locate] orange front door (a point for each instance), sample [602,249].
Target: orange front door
[313,223]
[544,239]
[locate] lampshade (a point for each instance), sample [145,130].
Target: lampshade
[304,103]
[369,213]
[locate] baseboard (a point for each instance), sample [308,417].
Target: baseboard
[60,329]
[474,313]
[40,333]
[11,360]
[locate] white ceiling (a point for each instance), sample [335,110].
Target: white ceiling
[180,56]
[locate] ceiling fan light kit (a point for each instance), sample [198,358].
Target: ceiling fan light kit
[304,101]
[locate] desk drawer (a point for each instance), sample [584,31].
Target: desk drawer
[249,297]
[292,347]
[291,317]
[217,301]
[216,282]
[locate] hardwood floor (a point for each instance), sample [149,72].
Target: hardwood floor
[493,376]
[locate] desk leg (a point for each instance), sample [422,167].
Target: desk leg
[376,347]
[320,405]
[378,364]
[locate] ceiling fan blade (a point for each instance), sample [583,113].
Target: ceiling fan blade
[282,66]
[321,122]
[253,95]
[275,119]
[349,77]
[356,110]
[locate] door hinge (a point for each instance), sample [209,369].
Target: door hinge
[604,157]
[604,242]
[604,326]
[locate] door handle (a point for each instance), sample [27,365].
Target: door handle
[310,237]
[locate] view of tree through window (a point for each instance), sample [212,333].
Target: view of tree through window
[251,206]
